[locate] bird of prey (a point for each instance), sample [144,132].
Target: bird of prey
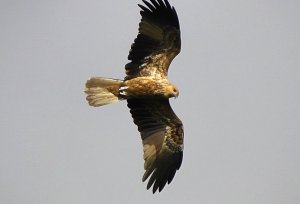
[147,90]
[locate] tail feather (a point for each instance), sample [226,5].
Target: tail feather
[101,91]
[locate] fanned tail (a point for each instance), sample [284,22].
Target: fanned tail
[101,91]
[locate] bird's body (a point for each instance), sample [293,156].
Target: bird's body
[139,87]
[147,91]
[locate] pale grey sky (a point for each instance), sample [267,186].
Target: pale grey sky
[239,80]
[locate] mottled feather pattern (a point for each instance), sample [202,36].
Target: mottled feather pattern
[157,43]
[174,137]
[147,90]
[145,87]
[156,117]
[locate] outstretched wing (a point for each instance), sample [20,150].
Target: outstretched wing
[157,43]
[162,135]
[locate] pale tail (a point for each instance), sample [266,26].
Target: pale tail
[101,91]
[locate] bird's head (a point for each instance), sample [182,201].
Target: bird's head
[171,91]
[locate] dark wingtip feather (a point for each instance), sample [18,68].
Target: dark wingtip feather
[144,9]
[164,172]
[168,4]
[155,3]
[162,9]
[150,6]
[161,14]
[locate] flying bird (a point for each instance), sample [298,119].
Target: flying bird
[147,90]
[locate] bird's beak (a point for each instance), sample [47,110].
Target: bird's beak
[176,95]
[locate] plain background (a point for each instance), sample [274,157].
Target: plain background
[239,80]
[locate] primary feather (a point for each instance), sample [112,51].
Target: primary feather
[147,90]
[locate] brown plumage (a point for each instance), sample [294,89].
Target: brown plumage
[147,91]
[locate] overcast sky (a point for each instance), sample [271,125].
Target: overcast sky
[239,79]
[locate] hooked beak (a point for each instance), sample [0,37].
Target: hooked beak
[176,95]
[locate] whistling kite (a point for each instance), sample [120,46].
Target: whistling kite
[147,91]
